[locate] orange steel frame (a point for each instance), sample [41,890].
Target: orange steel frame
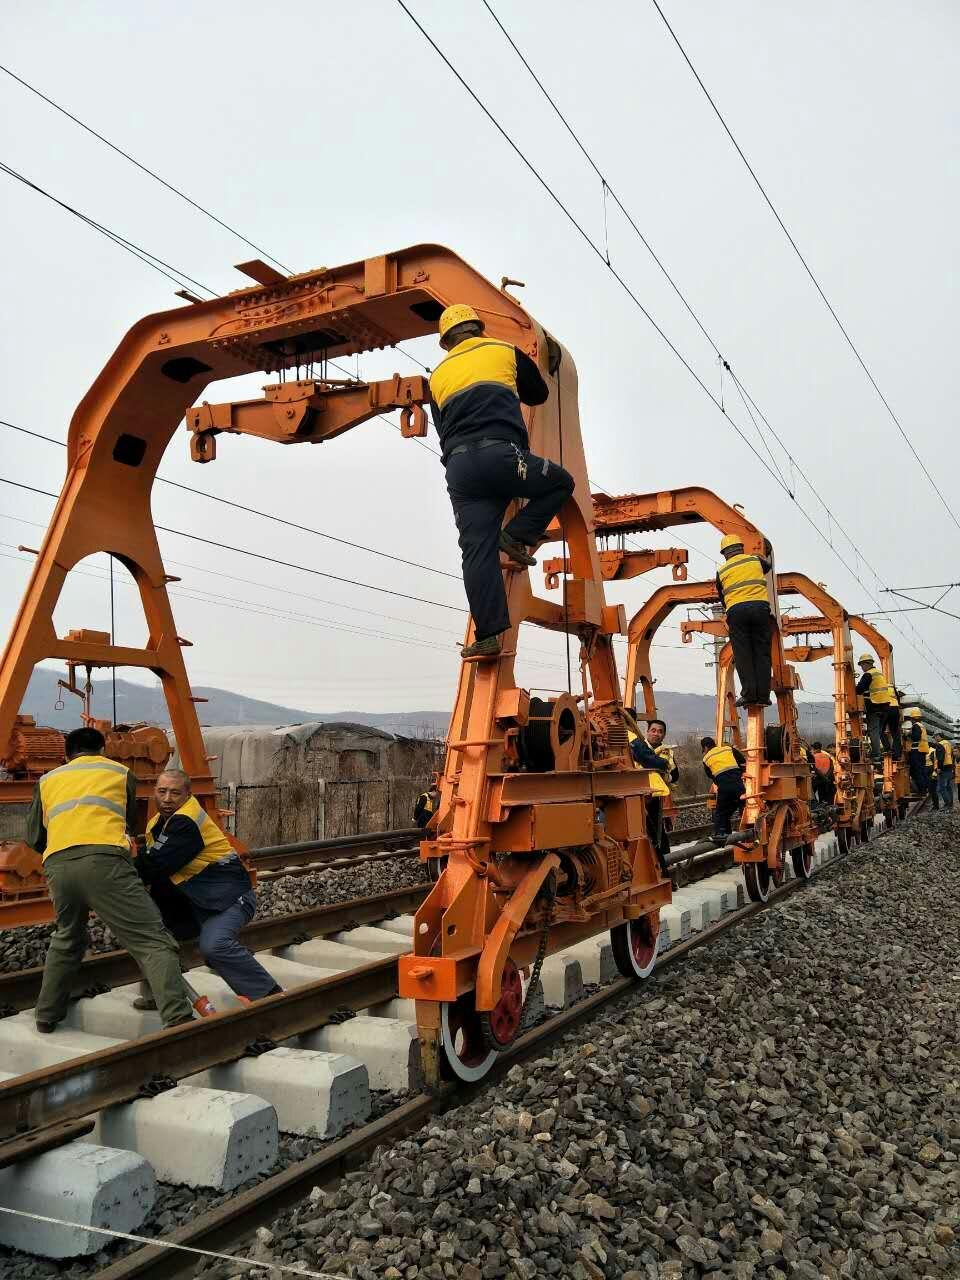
[479,913]
[777,799]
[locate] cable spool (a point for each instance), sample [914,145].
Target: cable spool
[778,742]
[551,739]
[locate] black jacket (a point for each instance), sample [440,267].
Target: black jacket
[177,841]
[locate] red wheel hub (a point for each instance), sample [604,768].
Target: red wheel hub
[643,941]
[506,1013]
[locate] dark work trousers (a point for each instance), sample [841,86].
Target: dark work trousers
[226,955]
[482,483]
[824,788]
[876,723]
[933,789]
[892,731]
[750,629]
[730,791]
[918,773]
[658,832]
[946,786]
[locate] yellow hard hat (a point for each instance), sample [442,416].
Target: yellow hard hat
[459,313]
[912,713]
[731,540]
[865,657]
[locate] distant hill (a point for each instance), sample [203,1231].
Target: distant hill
[684,712]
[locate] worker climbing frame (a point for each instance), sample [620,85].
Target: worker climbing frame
[542,817]
[777,819]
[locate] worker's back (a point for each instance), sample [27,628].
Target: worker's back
[742,580]
[84,802]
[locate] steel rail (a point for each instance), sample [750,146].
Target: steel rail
[270,857]
[114,968]
[229,1223]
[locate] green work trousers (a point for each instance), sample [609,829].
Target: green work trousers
[101,878]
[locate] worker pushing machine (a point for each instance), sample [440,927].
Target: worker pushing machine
[78,821]
[742,586]
[186,849]
[476,392]
[724,766]
[882,708]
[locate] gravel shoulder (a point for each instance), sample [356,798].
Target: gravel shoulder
[786,1103]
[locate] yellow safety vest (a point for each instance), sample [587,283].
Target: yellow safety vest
[923,745]
[719,759]
[85,802]
[932,762]
[476,360]
[216,846]
[666,753]
[880,693]
[742,580]
[658,784]
[947,751]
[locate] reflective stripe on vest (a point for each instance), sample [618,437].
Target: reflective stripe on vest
[742,580]
[880,693]
[85,802]
[470,363]
[425,802]
[216,847]
[947,751]
[923,745]
[720,759]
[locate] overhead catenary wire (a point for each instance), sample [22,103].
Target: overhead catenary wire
[806,266]
[599,253]
[750,405]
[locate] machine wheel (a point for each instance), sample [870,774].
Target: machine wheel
[635,947]
[802,859]
[501,1025]
[466,1054]
[757,878]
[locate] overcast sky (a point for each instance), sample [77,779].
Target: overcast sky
[333,132]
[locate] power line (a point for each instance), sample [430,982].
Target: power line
[806,266]
[150,172]
[633,297]
[151,260]
[259,555]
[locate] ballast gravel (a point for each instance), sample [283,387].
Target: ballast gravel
[26,947]
[785,1103]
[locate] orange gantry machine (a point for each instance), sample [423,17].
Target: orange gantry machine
[542,813]
[777,821]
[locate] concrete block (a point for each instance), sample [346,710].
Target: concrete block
[404,925]
[732,881]
[196,1137]
[23,1048]
[317,1094]
[112,1015]
[595,957]
[390,1050]
[402,1010]
[562,980]
[325,954]
[372,938]
[534,1002]
[289,973]
[79,1183]
[676,919]
[704,905]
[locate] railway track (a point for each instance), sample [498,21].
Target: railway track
[229,1224]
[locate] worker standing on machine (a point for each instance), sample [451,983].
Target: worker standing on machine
[724,766]
[918,748]
[476,393]
[945,771]
[186,848]
[882,708]
[742,587]
[78,822]
[824,775]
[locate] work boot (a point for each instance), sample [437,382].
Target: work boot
[514,549]
[488,648]
[145,1004]
[46,1027]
